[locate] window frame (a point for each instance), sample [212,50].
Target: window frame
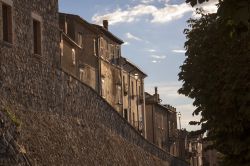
[38,19]
[73,56]
[80,39]
[10,22]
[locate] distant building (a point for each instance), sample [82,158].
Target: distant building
[210,157]
[161,123]
[182,143]
[195,150]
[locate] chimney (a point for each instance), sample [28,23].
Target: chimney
[105,24]
[156,95]
[156,90]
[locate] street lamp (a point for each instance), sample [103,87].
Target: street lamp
[179,116]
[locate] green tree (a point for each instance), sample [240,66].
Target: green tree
[216,74]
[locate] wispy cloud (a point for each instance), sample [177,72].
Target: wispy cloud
[128,15]
[126,43]
[151,50]
[147,1]
[179,51]
[155,61]
[158,57]
[167,13]
[170,13]
[132,37]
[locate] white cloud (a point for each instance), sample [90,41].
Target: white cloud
[179,51]
[155,14]
[158,57]
[133,37]
[155,61]
[128,15]
[170,12]
[151,50]
[126,43]
[208,7]
[147,1]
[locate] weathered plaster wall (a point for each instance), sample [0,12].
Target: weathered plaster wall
[111,75]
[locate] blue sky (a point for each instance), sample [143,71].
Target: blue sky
[153,34]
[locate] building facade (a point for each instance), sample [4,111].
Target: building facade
[161,123]
[195,150]
[93,54]
[133,94]
[84,58]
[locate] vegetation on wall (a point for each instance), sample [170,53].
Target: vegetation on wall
[216,75]
[11,115]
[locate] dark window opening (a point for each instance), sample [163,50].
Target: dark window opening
[132,87]
[126,114]
[37,37]
[7,23]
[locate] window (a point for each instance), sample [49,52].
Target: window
[125,86]
[132,88]
[118,50]
[139,89]
[119,89]
[103,87]
[133,120]
[37,33]
[80,39]
[126,114]
[82,74]
[66,27]
[73,56]
[102,47]
[7,22]
[94,46]
[61,47]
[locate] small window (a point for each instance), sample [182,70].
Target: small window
[61,47]
[7,22]
[126,114]
[118,51]
[82,73]
[66,27]
[37,36]
[103,87]
[102,47]
[133,119]
[119,91]
[139,89]
[132,88]
[73,56]
[80,39]
[94,42]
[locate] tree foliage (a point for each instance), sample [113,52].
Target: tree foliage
[216,74]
